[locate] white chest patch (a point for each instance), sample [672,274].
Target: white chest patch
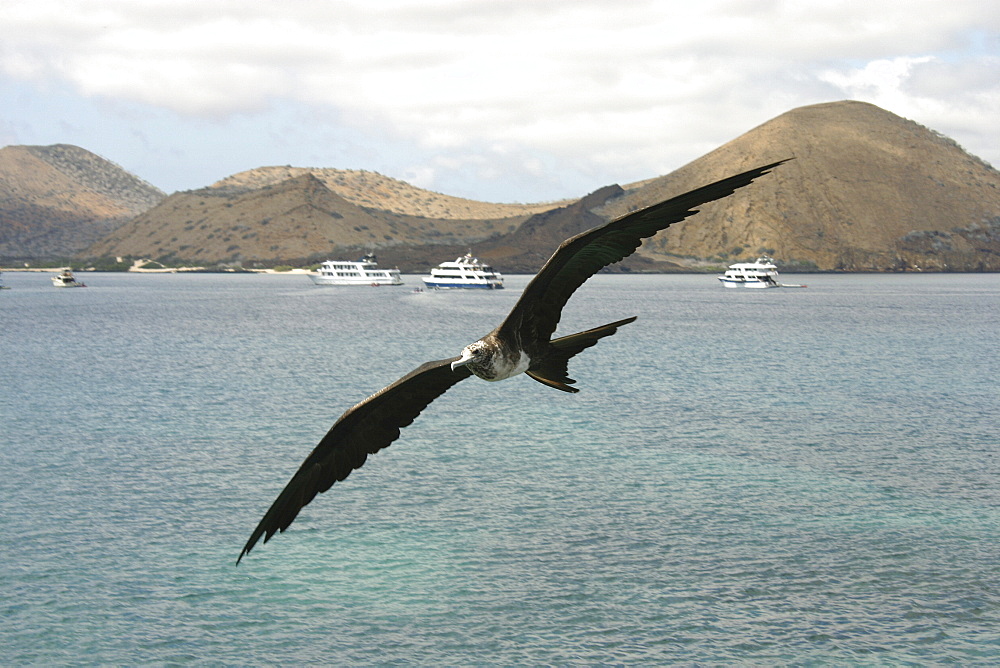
[508,368]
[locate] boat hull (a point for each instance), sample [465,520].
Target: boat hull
[443,285]
[324,280]
[751,285]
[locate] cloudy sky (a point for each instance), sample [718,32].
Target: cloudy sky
[498,100]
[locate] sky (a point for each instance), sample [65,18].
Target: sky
[494,100]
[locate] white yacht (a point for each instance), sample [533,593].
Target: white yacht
[465,272]
[363,272]
[760,273]
[67,280]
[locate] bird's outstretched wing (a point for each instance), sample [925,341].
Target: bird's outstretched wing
[537,312]
[363,430]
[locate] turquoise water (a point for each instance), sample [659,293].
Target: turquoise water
[754,477]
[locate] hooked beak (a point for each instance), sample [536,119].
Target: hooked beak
[466,358]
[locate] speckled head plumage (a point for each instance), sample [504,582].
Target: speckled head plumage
[478,357]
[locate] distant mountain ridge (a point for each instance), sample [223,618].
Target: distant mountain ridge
[100,175]
[57,200]
[866,191]
[375,191]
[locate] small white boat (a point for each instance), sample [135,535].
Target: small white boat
[66,279]
[761,273]
[465,272]
[363,272]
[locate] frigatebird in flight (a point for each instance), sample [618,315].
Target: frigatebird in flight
[521,344]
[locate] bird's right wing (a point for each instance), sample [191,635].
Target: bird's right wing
[363,430]
[537,312]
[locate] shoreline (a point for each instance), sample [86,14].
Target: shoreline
[170,270]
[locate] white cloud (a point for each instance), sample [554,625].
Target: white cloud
[603,89]
[881,81]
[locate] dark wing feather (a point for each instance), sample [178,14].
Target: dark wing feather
[536,314]
[363,430]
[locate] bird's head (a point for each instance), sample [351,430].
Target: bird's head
[474,354]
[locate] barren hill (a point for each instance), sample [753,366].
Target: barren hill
[375,191]
[867,190]
[57,200]
[292,215]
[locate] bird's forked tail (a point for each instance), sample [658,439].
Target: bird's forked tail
[553,369]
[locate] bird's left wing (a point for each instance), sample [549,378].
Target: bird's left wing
[363,430]
[580,257]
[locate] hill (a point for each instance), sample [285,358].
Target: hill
[867,191]
[374,191]
[58,200]
[297,214]
[263,217]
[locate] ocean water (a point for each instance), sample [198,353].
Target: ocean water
[747,477]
